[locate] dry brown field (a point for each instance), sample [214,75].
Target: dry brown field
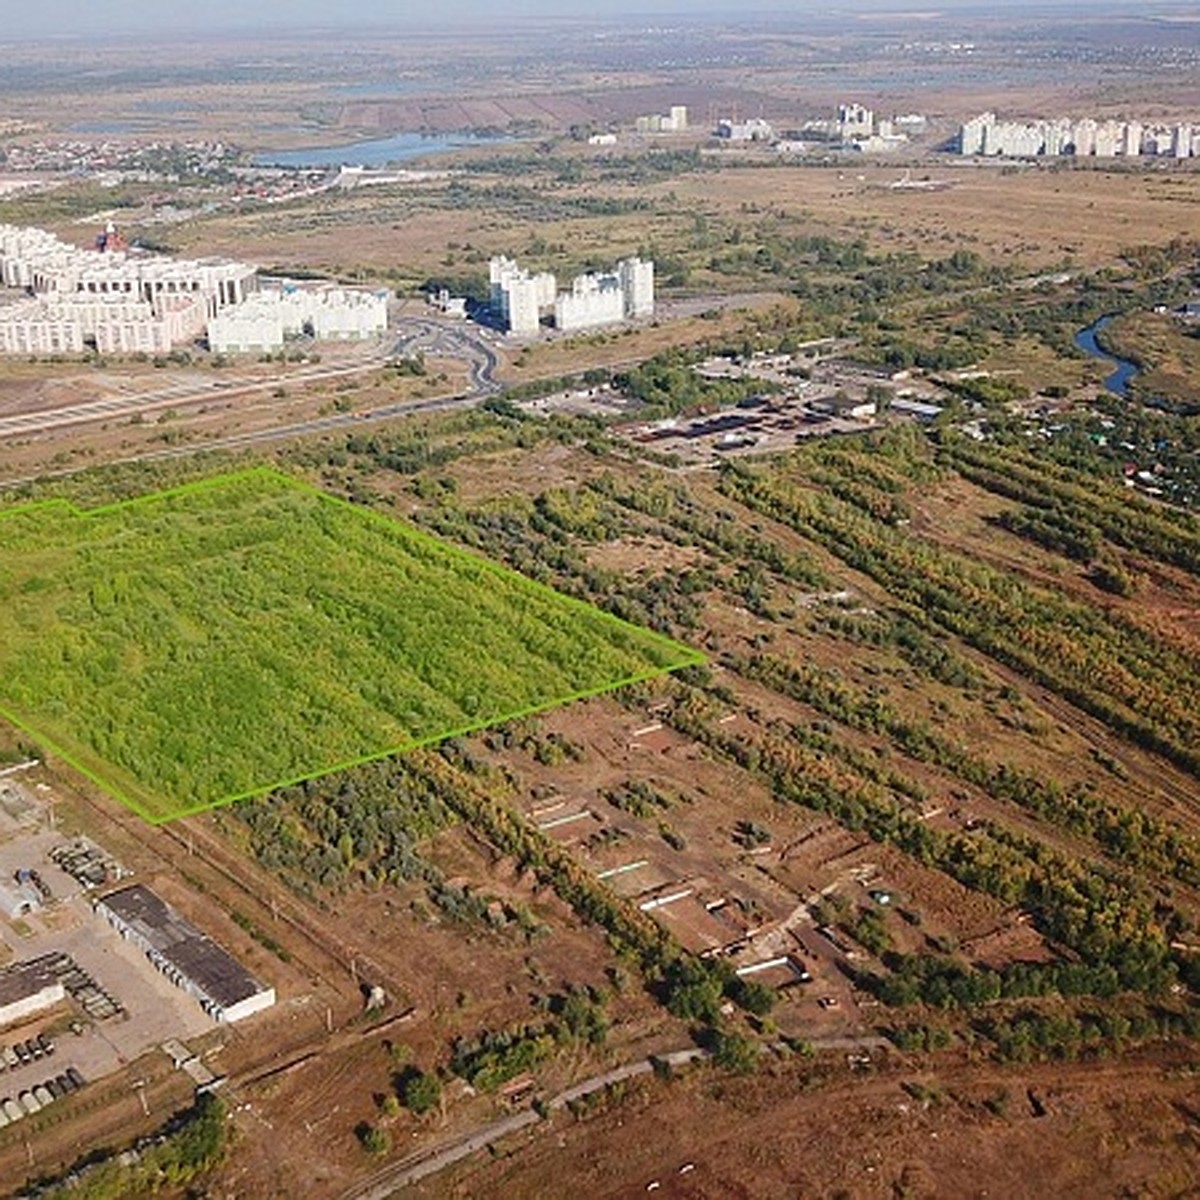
[893,1129]
[1040,217]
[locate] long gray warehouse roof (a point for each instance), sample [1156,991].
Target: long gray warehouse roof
[195,955]
[25,979]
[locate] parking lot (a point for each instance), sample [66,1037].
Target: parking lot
[118,1005]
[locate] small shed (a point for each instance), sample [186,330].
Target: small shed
[19,900]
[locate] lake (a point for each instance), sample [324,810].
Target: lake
[378,152]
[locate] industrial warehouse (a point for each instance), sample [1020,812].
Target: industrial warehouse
[190,959]
[28,988]
[94,974]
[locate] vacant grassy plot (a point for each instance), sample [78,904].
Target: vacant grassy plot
[193,647]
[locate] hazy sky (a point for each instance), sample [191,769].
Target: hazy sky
[39,17]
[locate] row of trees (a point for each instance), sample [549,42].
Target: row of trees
[1131,836]
[493,1058]
[1099,914]
[1087,510]
[475,792]
[1140,685]
[190,1145]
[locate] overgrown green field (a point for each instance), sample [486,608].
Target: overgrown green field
[193,647]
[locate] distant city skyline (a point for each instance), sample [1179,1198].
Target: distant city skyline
[88,18]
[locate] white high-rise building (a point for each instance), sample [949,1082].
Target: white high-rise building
[1108,139]
[1131,139]
[518,297]
[123,301]
[37,327]
[855,123]
[1086,138]
[593,300]
[1057,138]
[674,121]
[326,313]
[637,284]
[522,313]
[608,297]
[1083,137]
[973,133]
[755,129]
[253,327]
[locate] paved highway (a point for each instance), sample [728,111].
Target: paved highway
[412,335]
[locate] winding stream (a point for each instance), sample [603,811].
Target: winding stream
[1118,381]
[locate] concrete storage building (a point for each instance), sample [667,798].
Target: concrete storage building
[18,900]
[28,988]
[190,959]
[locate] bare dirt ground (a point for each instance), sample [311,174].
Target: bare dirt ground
[315,1062]
[229,410]
[1077,1130]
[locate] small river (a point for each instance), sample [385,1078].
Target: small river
[1118,381]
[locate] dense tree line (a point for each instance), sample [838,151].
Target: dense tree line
[192,1144]
[1075,503]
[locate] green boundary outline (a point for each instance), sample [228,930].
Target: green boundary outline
[687,655]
